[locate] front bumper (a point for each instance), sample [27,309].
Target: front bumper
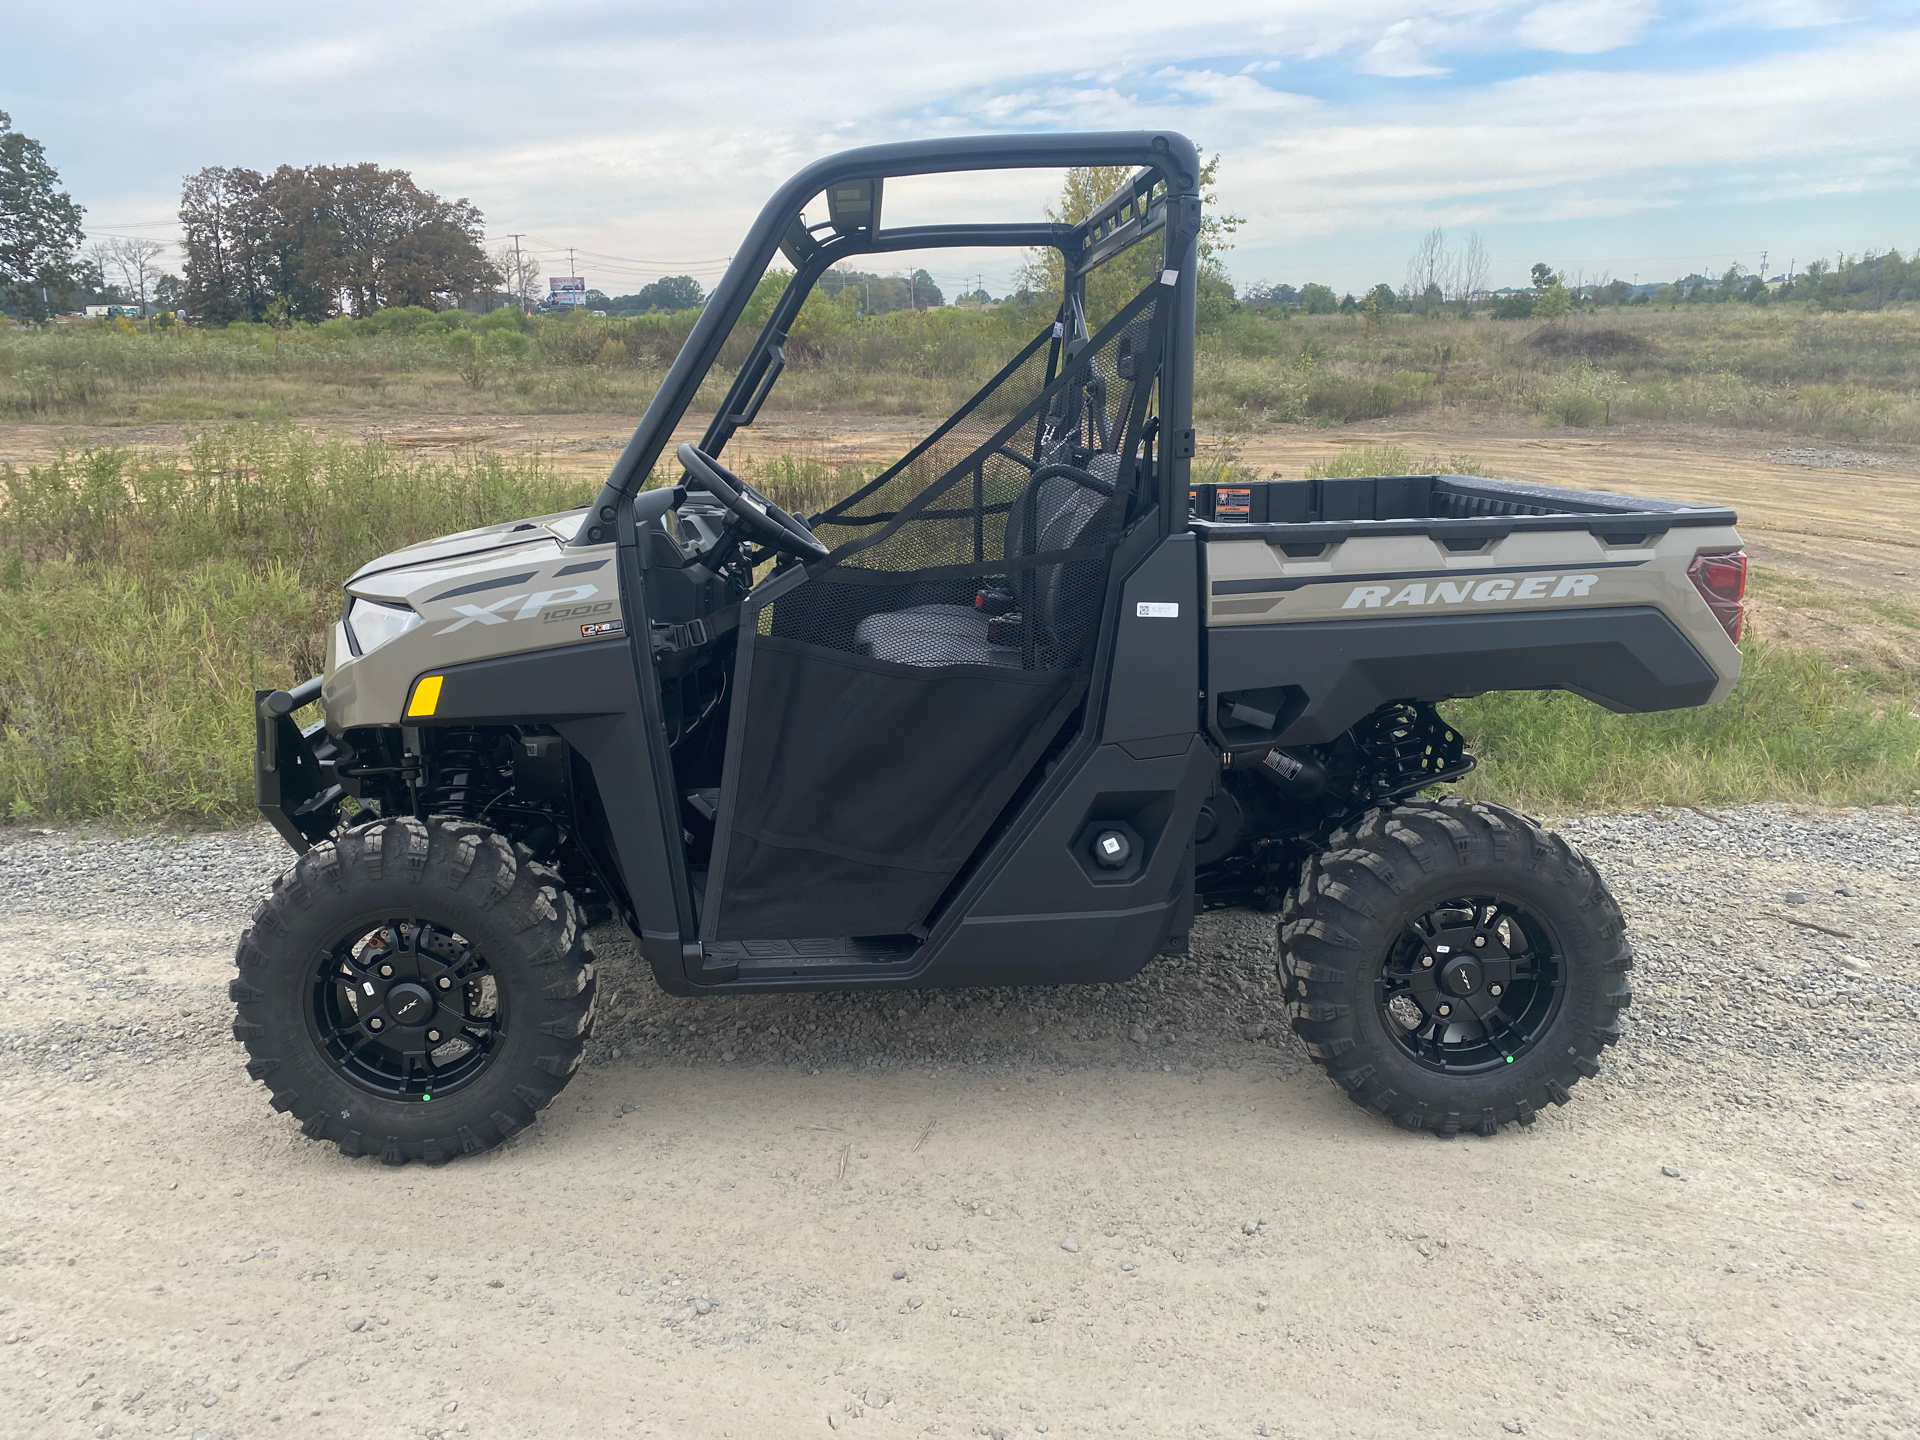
[293,768]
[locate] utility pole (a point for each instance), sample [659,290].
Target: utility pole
[519,273]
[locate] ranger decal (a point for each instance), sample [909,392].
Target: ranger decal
[1480,592]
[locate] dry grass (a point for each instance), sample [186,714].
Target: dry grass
[146,596]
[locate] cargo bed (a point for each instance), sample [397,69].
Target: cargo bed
[1325,598]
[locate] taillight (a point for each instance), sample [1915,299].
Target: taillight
[1722,582]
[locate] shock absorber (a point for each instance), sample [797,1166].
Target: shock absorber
[464,779]
[1407,746]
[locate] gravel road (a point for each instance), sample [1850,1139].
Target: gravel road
[1130,1209]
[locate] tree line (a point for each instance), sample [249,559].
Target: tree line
[309,243]
[1441,280]
[314,241]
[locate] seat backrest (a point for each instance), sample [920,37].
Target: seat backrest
[1069,508]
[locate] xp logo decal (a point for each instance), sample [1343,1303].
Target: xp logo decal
[534,604]
[1481,592]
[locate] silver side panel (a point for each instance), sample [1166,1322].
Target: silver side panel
[528,592]
[1255,582]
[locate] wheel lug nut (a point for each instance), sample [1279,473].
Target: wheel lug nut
[1479,942]
[445,983]
[1426,962]
[386,970]
[1494,990]
[1446,1009]
[375,1023]
[434,1035]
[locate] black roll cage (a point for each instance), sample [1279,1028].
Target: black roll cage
[1162,194]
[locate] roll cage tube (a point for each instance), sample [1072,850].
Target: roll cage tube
[1167,154]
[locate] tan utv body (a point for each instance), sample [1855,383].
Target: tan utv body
[1011,712]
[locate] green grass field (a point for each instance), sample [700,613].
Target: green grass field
[148,595]
[1845,375]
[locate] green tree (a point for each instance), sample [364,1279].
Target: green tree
[304,243]
[1543,276]
[923,292]
[39,226]
[1317,299]
[669,292]
[1084,191]
[1517,305]
[1554,303]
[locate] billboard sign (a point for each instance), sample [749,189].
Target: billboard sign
[566,290]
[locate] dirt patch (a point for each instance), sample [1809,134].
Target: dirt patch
[1573,342]
[701,1238]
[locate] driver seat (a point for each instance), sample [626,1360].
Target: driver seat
[1065,508]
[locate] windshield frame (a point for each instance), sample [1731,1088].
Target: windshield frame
[1166,156]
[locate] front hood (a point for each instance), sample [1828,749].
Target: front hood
[480,595]
[546,530]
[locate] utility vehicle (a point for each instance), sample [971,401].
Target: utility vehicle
[1007,714]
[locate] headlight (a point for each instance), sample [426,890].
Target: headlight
[372,624]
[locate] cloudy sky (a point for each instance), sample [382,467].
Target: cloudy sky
[1607,137]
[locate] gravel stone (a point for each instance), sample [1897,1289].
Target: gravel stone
[878,1399]
[1694,889]
[1070,1245]
[1670,1172]
[899,1274]
[1795,897]
[356,1322]
[1249,1227]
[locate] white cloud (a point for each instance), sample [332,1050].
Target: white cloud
[1584,27]
[1584,144]
[658,131]
[1397,54]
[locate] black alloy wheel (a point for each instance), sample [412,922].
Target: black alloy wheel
[1471,985]
[414,989]
[408,1010]
[1453,966]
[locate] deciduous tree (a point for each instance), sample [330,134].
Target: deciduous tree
[39,226]
[1085,189]
[305,243]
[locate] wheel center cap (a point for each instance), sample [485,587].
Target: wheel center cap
[410,1004]
[1462,976]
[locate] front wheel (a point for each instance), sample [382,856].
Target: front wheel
[1454,966]
[414,989]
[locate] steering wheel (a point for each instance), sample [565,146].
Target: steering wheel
[767,522]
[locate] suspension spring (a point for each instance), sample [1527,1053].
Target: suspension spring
[463,779]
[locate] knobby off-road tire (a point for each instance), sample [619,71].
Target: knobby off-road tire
[1356,927]
[475,917]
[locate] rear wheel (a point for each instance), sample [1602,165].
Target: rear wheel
[416,990]
[1453,965]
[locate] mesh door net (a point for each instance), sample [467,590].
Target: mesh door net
[893,700]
